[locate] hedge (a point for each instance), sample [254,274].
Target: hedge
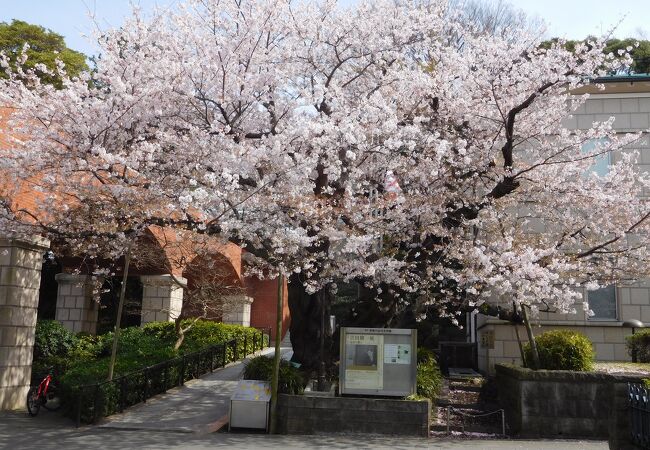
[84,359]
[562,350]
[638,345]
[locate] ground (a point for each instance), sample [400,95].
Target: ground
[49,431]
[627,368]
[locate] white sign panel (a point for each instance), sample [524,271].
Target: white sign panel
[397,354]
[364,368]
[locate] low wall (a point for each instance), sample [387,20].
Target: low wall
[298,414]
[562,403]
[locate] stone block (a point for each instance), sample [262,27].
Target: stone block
[594,106]
[62,314]
[5,256]
[640,121]
[604,352]
[630,105]
[75,314]
[644,104]
[13,398]
[611,105]
[570,122]
[585,121]
[15,356]
[594,333]
[511,349]
[624,296]
[613,335]
[622,122]
[630,312]
[621,353]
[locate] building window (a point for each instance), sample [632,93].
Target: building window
[602,162]
[603,303]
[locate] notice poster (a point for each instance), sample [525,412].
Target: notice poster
[397,354]
[364,361]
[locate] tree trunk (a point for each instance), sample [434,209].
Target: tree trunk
[180,333]
[120,306]
[306,312]
[275,378]
[531,339]
[515,324]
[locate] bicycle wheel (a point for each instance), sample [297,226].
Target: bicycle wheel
[52,401]
[33,401]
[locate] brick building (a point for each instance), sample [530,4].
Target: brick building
[159,293]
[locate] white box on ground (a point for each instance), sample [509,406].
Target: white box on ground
[249,405]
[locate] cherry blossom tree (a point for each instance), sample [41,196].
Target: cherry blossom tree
[343,143]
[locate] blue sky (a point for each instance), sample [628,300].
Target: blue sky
[566,18]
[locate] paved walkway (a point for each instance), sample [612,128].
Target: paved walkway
[200,406]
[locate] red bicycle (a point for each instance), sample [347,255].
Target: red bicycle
[43,395]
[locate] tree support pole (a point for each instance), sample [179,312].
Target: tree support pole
[276,358]
[531,338]
[120,306]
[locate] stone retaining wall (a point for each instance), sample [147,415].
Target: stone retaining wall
[299,414]
[562,403]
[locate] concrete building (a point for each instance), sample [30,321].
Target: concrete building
[627,98]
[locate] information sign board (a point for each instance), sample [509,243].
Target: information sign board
[378,361]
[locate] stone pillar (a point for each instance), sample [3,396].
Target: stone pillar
[76,308]
[162,298]
[20,279]
[237,310]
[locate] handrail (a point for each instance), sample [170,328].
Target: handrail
[158,378]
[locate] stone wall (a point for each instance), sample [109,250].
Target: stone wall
[162,298]
[298,414]
[561,403]
[237,310]
[20,276]
[76,308]
[608,339]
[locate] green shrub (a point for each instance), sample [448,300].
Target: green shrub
[429,378]
[638,345]
[291,379]
[562,350]
[52,339]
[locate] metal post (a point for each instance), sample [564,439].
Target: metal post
[95,403]
[245,345]
[503,422]
[122,393]
[181,373]
[321,366]
[235,355]
[145,387]
[447,419]
[79,397]
[223,356]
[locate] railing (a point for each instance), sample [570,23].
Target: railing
[639,398]
[93,401]
[472,416]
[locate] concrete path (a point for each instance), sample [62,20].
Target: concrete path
[19,431]
[200,406]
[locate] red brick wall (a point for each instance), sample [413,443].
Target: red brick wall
[263,309]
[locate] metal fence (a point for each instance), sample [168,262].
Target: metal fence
[639,398]
[93,401]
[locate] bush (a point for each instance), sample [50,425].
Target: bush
[562,350]
[52,339]
[429,377]
[291,379]
[639,345]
